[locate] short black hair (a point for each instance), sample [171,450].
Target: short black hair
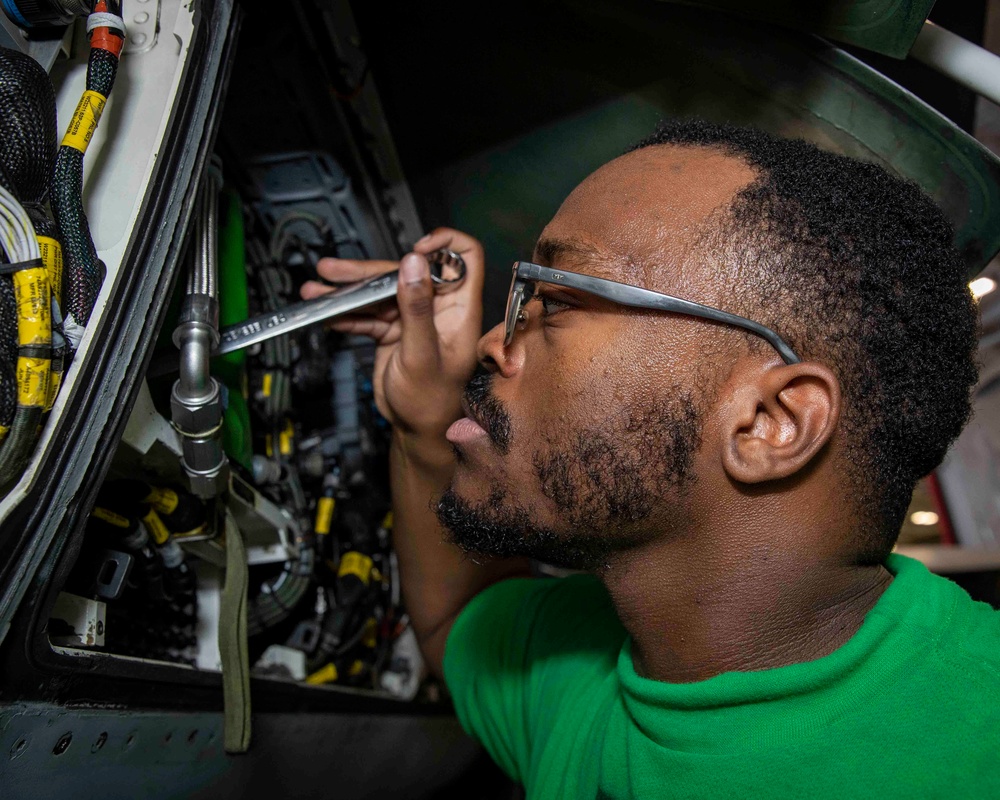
[854,267]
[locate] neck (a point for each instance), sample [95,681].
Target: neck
[694,611]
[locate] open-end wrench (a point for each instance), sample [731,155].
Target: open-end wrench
[447,272]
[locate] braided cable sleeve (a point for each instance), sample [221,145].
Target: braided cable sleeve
[8,351]
[84,271]
[27,126]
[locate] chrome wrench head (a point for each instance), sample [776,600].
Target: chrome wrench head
[447,269]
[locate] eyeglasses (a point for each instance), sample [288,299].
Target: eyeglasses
[527,275]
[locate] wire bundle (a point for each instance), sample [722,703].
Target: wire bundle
[31,246]
[84,270]
[34,334]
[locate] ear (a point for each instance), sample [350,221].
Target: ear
[777,418]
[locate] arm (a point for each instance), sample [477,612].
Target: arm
[426,353]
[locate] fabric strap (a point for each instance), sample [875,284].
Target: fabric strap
[233,643]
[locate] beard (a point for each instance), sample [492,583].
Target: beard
[604,481]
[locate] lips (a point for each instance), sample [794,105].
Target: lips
[466,429]
[485,414]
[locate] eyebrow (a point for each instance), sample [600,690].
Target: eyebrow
[549,250]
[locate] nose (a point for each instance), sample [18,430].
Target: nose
[495,358]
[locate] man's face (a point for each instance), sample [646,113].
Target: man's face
[583,435]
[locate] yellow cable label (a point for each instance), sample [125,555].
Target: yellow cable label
[55,379]
[163,500]
[266,388]
[84,121]
[387,521]
[34,306]
[327,674]
[285,439]
[110,517]
[369,638]
[156,527]
[324,514]
[32,382]
[52,257]
[356,669]
[268,445]
[358,564]
[3,432]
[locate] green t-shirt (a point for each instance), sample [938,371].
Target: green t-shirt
[541,673]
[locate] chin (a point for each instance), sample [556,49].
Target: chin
[497,527]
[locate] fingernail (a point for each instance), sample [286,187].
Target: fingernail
[411,269]
[423,238]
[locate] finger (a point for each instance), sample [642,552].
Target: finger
[382,331]
[311,289]
[418,347]
[347,270]
[465,245]
[382,312]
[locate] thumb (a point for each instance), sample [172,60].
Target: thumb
[418,346]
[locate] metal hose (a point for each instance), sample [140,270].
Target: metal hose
[196,400]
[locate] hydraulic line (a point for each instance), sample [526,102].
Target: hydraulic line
[197,398]
[84,271]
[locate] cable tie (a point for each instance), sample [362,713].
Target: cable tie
[17,266]
[104,19]
[35,351]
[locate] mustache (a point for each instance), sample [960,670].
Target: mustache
[488,411]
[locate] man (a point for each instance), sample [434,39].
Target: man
[734,484]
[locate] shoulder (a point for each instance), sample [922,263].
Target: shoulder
[966,632]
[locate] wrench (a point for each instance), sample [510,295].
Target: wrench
[447,272]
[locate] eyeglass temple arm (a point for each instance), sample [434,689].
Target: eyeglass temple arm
[634,296]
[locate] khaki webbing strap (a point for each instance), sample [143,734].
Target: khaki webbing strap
[233,644]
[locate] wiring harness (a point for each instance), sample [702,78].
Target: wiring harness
[29,377]
[33,348]
[84,270]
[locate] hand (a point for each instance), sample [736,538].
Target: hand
[426,341]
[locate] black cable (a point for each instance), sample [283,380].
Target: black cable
[84,270]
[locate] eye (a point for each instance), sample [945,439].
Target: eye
[551,306]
